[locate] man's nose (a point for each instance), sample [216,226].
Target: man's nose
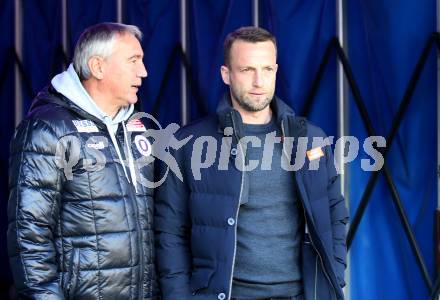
[258,79]
[142,71]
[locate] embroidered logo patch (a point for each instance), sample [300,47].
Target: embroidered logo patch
[315,153]
[136,126]
[97,146]
[143,145]
[85,126]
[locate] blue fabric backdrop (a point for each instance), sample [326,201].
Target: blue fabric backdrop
[6,125]
[385,39]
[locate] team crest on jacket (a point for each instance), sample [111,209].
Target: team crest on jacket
[143,145]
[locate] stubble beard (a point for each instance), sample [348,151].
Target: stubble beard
[248,105]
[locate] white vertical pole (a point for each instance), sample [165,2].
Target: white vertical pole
[64,38]
[18,44]
[183,81]
[119,11]
[342,86]
[342,109]
[256,13]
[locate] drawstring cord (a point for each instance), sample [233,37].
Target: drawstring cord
[130,158]
[129,154]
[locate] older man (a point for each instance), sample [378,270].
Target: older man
[80,224]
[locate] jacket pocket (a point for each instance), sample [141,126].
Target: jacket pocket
[71,281]
[201,275]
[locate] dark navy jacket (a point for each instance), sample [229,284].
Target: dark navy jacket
[195,220]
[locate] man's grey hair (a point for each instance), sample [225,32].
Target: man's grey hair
[98,40]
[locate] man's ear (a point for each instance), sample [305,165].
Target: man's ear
[96,67]
[225,74]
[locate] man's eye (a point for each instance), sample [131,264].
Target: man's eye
[245,70]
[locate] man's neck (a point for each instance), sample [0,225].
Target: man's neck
[99,98]
[254,117]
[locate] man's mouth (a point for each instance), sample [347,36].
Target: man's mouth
[257,93]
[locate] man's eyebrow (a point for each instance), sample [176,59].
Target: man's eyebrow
[246,67]
[136,56]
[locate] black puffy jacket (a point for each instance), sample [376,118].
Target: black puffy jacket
[81,230]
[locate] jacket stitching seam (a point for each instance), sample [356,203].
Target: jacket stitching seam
[96,231]
[128,226]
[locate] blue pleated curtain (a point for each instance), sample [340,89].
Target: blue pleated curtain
[386,39]
[6,123]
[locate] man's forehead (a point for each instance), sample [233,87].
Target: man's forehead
[128,43]
[245,51]
[241,44]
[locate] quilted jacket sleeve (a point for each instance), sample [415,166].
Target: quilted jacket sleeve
[172,226]
[35,184]
[339,218]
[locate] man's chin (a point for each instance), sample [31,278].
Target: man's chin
[133,100]
[255,107]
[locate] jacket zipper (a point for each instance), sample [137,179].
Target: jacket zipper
[139,231]
[311,240]
[316,279]
[322,265]
[236,214]
[141,249]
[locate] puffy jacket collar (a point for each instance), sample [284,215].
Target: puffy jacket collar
[49,95]
[229,117]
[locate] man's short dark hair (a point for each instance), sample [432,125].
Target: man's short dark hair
[248,34]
